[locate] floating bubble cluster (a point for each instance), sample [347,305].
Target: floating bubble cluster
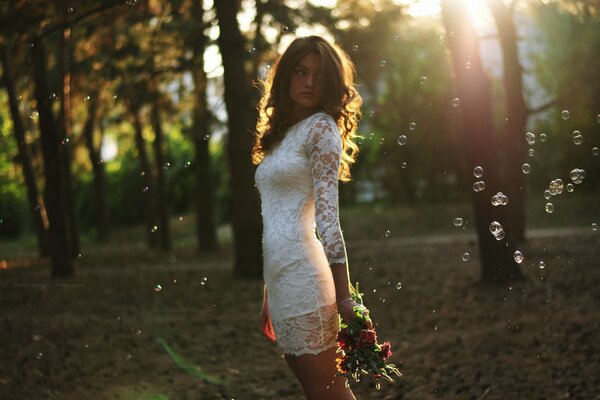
[518,256]
[577,175]
[499,199]
[577,138]
[497,230]
[530,138]
[478,172]
[556,187]
[479,186]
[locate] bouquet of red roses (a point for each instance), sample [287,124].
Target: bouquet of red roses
[360,352]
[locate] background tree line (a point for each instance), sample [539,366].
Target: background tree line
[145,75]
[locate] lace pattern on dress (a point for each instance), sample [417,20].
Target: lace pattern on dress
[312,333]
[324,149]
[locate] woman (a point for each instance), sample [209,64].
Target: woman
[308,116]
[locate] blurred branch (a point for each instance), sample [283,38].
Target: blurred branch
[543,107]
[79,18]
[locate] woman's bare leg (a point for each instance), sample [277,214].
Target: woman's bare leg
[316,374]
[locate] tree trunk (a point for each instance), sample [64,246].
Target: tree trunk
[36,202]
[473,88]
[101,205]
[161,196]
[204,195]
[65,126]
[517,113]
[245,206]
[146,180]
[54,188]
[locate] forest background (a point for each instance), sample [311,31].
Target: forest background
[126,127]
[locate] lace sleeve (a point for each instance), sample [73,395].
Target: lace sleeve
[323,148]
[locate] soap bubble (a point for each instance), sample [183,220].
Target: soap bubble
[412,126]
[547,194]
[402,140]
[594,226]
[423,80]
[497,230]
[518,256]
[466,257]
[399,285]
[577,138]
[479,186]
[570,187]
[458,221]
[387,233]
[403,165]
[595,151]
[382,63]
[542,265]
[549,208]
[531,152]
[577,175]
[566,114]
[355,47]
[530,138]
[455,102]
[526,168]
[499,199]
[478,172]
[556,187]
[543,137]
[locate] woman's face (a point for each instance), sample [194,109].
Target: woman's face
[306,84]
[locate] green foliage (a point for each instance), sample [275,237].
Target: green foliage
[567,66]
[416,89]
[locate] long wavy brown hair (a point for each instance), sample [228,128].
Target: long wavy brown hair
[340,99]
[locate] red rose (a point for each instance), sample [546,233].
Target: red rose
[367,338]
[344,339]
[385,351]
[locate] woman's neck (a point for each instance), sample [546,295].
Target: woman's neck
[298,114]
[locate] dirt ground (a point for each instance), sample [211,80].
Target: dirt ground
[113,333]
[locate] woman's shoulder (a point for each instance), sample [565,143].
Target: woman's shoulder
[319,121]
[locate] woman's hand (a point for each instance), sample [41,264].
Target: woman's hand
[346,311]
[266,326]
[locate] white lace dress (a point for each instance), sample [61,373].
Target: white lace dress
[298,185]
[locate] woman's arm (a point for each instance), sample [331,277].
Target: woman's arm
[341,278]
[324,151]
